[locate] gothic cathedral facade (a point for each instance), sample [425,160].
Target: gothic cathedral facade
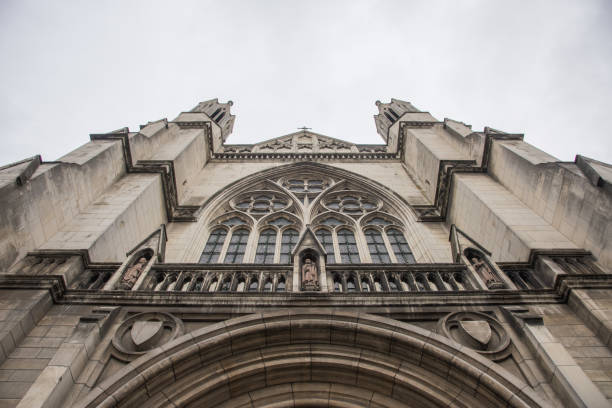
[445,267]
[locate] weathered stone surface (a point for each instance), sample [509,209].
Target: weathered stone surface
[195,329]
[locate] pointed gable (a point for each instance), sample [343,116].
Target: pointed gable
[303,142]
[155,241]
[308,240]
[460,240]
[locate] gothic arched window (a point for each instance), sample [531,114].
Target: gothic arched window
[348,246]
[376,245]
[288,241]
[400,246]
[352,220]
[213,247]
[325,237]
[266,246]
[237,246]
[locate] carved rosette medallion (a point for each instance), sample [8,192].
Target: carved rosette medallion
[144,332]
[478,331]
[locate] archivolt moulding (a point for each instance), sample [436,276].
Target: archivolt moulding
[370,358]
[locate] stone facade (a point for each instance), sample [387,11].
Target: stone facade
[165,267]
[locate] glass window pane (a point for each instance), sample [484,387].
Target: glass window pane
[289,240]
[348,250]
[212,250]
[400,247]
[266,246]
[378,250]
[325,238]
[235,250]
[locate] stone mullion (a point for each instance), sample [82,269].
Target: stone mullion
[337,254]
[392,256]
[277,246]
[362,245]
[262,281]
[225,245]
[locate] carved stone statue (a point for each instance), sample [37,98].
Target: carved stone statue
[132,274]
[310,275]
[485,272]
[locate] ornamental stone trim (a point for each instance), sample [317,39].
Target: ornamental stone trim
[249,354]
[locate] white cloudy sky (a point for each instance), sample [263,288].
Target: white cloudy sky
[70,68]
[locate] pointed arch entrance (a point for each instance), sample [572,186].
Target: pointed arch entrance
[311,358]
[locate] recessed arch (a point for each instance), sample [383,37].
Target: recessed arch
[337,352]
[343,179]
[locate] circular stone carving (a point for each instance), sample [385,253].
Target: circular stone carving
[144,332]
[477,331]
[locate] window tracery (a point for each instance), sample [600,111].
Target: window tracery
[259,203]
[264,223]
[352,203]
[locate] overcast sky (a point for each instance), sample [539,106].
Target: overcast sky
[69,69]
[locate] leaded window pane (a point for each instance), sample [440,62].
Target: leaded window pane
[400,247]
[376,245]
[288,241]
[348,246]
[266,246]
[212,250]
[325,238]
[237,246]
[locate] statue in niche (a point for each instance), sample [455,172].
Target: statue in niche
[132,274]
[310,274]
[484,270]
